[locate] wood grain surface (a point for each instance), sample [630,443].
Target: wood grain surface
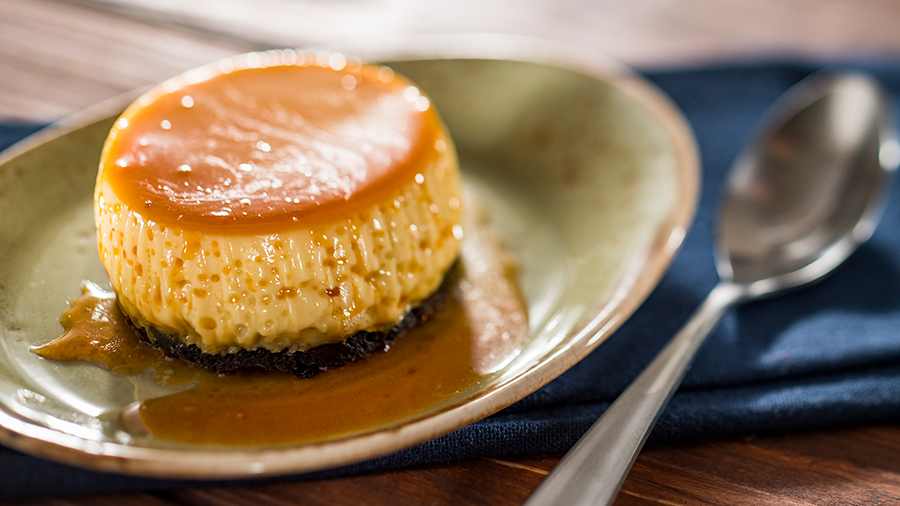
[59,57]
[858,466]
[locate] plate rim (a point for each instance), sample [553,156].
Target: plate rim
[592,330]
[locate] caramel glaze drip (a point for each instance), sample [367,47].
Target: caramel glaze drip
[97,331]
[482,327]
[262,150]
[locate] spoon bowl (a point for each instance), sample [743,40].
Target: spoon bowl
[802,197]
[797,203]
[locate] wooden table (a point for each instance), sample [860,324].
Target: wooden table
[57,58]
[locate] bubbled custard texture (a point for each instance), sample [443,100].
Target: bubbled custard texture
[306,278]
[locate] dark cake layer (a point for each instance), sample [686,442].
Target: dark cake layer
[300,363]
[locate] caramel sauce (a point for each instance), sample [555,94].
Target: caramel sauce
[480,329]
[265,149]
[97,331]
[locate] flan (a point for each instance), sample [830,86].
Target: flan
[286,210]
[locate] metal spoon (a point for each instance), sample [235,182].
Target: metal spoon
[797,204]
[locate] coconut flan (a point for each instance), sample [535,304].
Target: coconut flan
[287,210]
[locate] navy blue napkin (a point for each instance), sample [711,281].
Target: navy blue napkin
[825,356]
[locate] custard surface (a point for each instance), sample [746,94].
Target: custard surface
[282,205]
[289,290]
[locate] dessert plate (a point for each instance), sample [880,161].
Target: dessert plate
[589,176]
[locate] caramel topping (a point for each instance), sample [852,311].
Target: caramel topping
[268,148]
[96,331]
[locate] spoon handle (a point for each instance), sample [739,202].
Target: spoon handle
[592,472]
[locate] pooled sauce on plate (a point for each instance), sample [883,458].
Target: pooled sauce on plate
[269,147]
[479,330]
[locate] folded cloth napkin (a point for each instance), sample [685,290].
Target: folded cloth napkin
[824,356]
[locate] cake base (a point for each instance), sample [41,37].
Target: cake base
[303,364]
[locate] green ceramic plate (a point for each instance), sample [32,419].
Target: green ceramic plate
[589,173]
